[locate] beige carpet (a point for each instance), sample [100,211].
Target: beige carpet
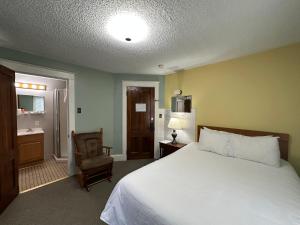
[42,174]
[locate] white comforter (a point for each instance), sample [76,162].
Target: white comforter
[193,187]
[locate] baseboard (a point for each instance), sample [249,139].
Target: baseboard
[62,159]
[119,157]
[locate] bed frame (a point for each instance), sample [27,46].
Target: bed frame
[283,138]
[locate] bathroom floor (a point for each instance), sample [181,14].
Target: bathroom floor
[42,174]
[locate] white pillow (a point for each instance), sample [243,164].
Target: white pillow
[262,149]
[213,141]
[227,135]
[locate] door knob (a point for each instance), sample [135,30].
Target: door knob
[152,123]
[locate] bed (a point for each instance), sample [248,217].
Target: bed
[192,187]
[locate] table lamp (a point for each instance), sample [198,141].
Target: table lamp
[175,124]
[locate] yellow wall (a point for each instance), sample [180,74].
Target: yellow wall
[258,92]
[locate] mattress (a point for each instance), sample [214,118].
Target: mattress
[192,187]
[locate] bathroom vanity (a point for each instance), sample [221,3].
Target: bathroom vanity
[30,146]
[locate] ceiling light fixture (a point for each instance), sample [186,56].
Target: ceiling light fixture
[127,27]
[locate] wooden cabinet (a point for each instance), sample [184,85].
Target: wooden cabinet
[31,149]
[168,148]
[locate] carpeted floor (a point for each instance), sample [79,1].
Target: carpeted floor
[64,202]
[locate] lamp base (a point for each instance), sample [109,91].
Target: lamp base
[174,135]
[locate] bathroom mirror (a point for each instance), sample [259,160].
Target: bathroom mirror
[30,103]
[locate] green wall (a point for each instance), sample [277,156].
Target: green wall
[94,92]
[98,93]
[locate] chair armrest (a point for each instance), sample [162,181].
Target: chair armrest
[78,153]
[107,149]
[78,158]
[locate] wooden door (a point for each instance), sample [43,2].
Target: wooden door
[9,187]
[140,122]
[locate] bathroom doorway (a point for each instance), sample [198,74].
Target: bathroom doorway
[42,124]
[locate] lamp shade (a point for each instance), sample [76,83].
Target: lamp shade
[175,124]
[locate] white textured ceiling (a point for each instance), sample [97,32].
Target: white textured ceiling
[183,33]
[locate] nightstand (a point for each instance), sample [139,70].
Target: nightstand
[168,148]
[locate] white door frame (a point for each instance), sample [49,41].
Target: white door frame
[126,84]
[48,72]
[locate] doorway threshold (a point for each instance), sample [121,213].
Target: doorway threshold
[42,185]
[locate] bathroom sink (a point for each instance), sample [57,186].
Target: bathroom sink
[30,131]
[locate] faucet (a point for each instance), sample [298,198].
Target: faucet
[29,130]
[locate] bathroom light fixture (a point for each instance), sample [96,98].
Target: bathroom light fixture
[42,87]
[127,27]
[30,86]
[25,85]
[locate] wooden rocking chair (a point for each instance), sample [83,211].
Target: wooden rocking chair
[93,164]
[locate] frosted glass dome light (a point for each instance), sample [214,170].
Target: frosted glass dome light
[127,28]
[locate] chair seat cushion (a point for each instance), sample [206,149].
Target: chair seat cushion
[97,161]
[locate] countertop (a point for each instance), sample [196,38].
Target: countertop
[30,131]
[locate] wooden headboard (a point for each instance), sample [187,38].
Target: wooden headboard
[283,138]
